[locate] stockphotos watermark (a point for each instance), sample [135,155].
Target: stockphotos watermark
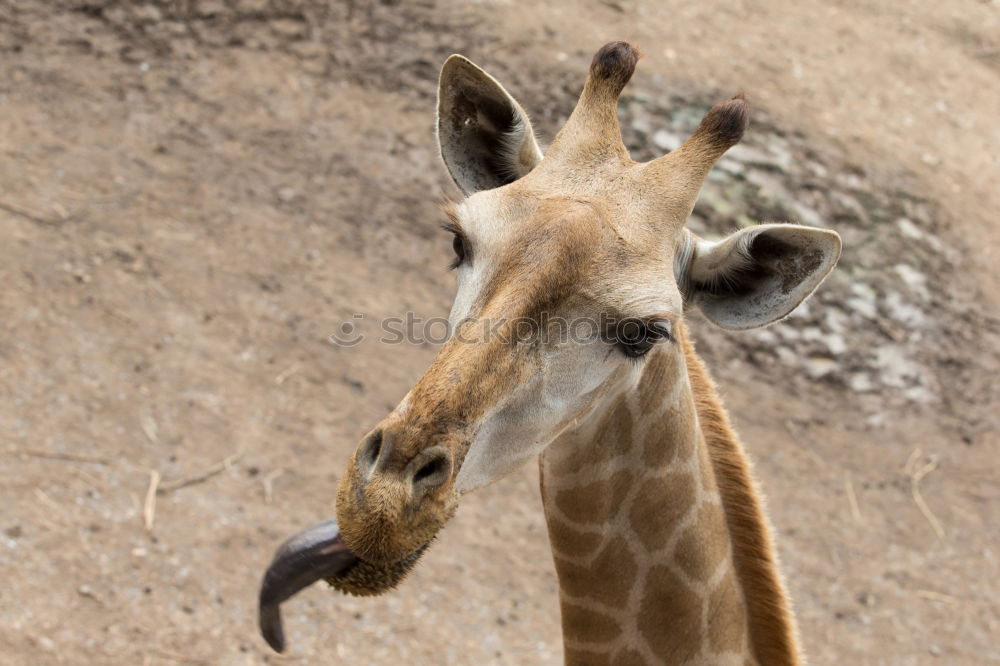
[544,329]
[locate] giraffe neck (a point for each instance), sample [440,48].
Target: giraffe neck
[662,552]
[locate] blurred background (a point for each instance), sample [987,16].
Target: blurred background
[194,194]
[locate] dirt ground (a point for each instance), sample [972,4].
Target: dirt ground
[194,194]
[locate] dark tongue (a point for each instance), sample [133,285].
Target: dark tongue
[304,559]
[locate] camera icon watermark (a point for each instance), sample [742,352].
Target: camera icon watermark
[349,332]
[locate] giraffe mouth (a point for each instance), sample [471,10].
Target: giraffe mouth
[320,553]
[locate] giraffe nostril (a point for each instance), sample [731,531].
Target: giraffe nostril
[370,451]
[428,470]
[431,470]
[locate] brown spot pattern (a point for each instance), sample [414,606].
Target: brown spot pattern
[612,439]
[670,617]
[703,545]
[608,578]
[565,539]
[727,616]
[614,436]
[661,445]
[594,502]
[628,657]
[597,627]
[658,506]
[654,378]
[578,657]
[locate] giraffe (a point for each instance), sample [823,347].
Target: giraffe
[579,263]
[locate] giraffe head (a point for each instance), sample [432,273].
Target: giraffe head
[571,267]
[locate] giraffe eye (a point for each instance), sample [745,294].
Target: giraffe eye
[635,337]
[458,245]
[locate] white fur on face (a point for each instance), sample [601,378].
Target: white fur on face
[487,227]
[575,380]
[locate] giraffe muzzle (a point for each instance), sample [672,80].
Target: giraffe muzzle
[320,553]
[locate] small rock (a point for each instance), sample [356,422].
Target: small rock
[835,342]
[640,121]
[807,215]
[897,369]
[835,320]
[804,312]
[716,198]
[866,599]
[751,155]
[903,312]
[309,50]
[146,13]
[919,394]
[787,356]
[729,165]
[909,229]
[781,156]
[862,307]
[912,277]
[863,301]
[817,169]
[849,204]
[665,140]
[286,194]
[852,180]
[771,186]
[788,333]
[289,27]
[876,419]
[860,382]
[819,366]
[765,336]
[251,6]
[812,333]
[934,650]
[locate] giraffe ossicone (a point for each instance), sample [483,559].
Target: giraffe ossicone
[662,550]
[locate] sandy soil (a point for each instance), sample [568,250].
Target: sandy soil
[195,194]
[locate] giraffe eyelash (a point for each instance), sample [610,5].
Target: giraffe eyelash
[459,244]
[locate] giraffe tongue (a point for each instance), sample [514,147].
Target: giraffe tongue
[316,553]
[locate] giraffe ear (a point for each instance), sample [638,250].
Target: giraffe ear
[758,275]
[485,136]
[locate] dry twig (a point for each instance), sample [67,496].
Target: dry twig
[30,215]
[149,427]
[69,457]
[51,503]
[268,482]
[852,499]
[937,596]
[215,469]
[286,373]
[174,656]
[149,506]
[916,475]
